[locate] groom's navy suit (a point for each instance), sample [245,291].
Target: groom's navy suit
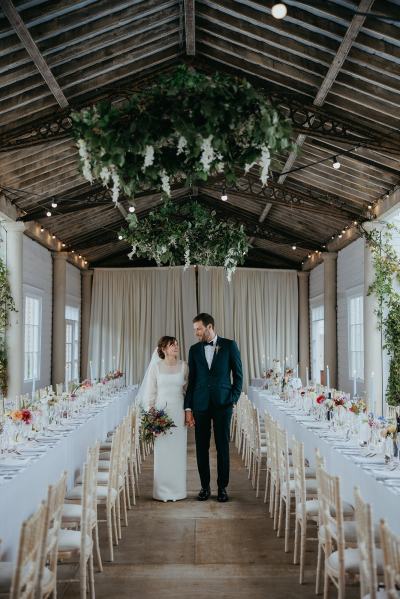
[211,394]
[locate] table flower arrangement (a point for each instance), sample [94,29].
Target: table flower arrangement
[358,407]
[320,399]
[24,415]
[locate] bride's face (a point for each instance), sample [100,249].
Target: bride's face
[172,350]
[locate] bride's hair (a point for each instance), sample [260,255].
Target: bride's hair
[163,343]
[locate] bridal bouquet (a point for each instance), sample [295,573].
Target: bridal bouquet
[155,423]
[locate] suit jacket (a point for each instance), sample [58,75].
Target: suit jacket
[214,386]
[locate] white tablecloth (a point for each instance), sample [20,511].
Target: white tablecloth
[20,496]
[385,501]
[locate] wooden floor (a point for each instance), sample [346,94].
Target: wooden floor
[193,549]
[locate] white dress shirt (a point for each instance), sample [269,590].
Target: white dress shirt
[209,351]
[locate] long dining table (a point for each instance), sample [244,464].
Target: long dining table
[378,484]
[39,466]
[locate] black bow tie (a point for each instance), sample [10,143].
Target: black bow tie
[208,343]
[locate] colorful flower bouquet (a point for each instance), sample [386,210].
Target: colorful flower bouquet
[320,399]
[24,415]
[358,407]
[155,423]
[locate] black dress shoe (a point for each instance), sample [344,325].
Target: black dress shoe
[204,494]
[222,496]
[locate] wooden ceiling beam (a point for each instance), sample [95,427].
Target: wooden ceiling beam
[29,44]
[190,27]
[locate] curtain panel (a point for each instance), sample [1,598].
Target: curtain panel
[259,309]
[132,309]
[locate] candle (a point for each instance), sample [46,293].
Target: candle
[327,377]
[114,363]
[103,368]
[297,371]
[372,398]
[354,383]
[91,370]
[33,387]
[307,378]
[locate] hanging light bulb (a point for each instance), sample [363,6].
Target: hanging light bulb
[279,10]
[340,236]
[369,207]
[63,245]
[224,196]
[54,204]
[355,223]
[131,209]
[120,237]
[53,236]
[80,256]
[336,163]
[294,247]
[48,213]
[41,229]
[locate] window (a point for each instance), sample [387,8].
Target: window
[32,330]
[356,336]
[71,344]
[317,342]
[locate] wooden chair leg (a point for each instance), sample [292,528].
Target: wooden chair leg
[97,548]
[297,526]
[287,524]
[303,541]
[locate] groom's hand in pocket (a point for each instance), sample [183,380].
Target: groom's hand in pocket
[189,420]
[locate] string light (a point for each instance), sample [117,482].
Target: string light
[80,256]
[340,236]
[279,10]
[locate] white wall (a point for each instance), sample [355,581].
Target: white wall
[350,281]
[38,280]
[73,293]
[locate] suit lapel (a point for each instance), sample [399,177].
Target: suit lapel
[216,352]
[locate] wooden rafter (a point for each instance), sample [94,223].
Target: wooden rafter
[190,27]
[29,44]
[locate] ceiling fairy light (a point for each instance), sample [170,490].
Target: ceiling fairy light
[279,10]
[336,163]
[224,196]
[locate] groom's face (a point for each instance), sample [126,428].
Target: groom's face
[203,333]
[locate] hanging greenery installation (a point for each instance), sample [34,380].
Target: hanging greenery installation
[7,305]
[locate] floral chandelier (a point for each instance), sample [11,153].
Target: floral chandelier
[187,126]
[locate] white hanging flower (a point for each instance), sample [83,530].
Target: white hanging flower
[148,157]
[220,167]
[264,162]
[207,153]
[105,175]
[248,167]
[182,143]
[116,185]
[132,253]
[84,155]
[187,258]
[165,185]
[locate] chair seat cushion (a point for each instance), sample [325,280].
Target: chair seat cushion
[76,493]
[311,486]
[312,508]
[70,540]
[104,465]
[352,561]
[72,512]
[350,532]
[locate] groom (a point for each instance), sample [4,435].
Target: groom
[210,397]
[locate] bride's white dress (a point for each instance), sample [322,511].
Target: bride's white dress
[166,390]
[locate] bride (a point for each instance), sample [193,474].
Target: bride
[163,387]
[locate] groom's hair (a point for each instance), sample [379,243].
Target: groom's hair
[205,318]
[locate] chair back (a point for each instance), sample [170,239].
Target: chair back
[390,544]
[366,546]
[26,572]
[283,461]
[331,513]
[52,526]
[299,475]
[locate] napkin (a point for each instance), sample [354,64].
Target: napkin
[383,474]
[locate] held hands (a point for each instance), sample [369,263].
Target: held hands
[189,420]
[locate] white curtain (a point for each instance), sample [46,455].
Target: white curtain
[259,309]
[133,308]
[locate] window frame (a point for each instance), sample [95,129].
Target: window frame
[354,292]
[316,302]
[32,293]
[76,332]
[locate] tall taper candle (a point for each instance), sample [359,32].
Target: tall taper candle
[327,377]
[354,383]
[91,370]
[307,377]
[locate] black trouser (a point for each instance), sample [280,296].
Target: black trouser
[221,419]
